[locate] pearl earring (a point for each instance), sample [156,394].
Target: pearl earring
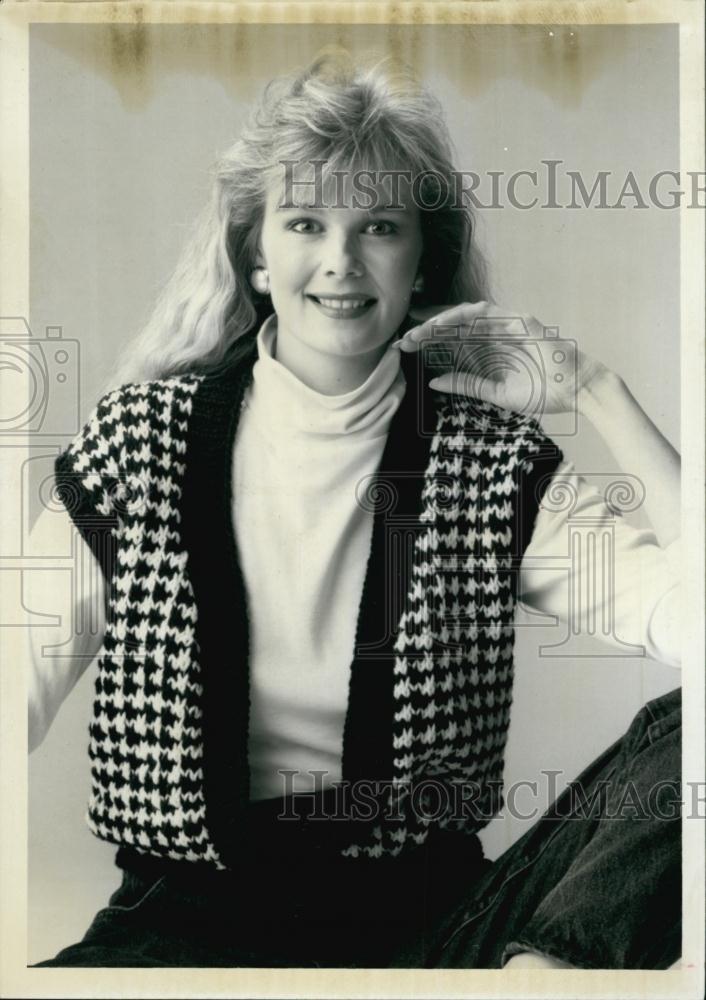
[418,285]
[260,280]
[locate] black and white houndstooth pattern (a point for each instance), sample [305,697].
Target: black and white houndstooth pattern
[453,665]
[454,650]
[145,737]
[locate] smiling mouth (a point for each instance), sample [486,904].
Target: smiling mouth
[342,304]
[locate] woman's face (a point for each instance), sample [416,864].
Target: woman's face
[340,277]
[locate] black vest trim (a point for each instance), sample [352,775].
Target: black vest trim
[395,494]
[222,629]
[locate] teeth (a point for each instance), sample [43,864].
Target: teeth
[343,304]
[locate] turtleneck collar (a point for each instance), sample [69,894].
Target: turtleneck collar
[277,398]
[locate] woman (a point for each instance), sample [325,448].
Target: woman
[310,554]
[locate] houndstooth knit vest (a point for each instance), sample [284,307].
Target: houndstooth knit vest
[147,482]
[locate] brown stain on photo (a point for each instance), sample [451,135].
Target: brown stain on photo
[128,48]
[136,57]
[559,60]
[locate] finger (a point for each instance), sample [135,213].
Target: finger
[455,383]
[468,319]
[493,337]
[452,316]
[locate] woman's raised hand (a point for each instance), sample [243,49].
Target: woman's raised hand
[510,360]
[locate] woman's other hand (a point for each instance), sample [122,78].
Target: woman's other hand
[486,352]
[510,360]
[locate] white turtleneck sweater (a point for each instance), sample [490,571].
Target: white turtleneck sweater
[304,541]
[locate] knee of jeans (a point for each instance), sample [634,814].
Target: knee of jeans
[665,704]
[665,726]
[654,770]
[664,713]
[654,720]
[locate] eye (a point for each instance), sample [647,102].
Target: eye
[380,228]
[304,226]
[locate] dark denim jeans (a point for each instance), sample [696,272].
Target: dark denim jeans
[596,882]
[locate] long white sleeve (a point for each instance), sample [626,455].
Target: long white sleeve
[71,599]
[598,574]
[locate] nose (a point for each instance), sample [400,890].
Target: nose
[341,257]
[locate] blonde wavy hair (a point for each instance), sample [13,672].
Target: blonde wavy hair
[371,116]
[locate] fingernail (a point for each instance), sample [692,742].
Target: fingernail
[396,343]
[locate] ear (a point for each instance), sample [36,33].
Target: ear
[259,256]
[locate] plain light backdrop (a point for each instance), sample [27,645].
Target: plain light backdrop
[125,127]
